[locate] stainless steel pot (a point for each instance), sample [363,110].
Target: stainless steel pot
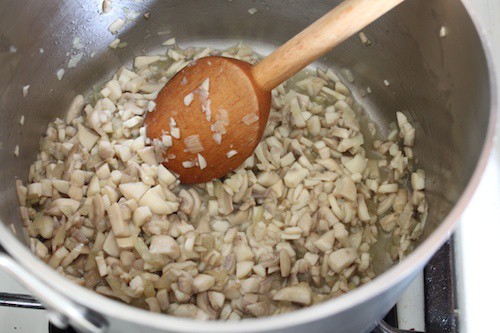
[445,83]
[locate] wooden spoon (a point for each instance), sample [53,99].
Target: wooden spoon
[215,110]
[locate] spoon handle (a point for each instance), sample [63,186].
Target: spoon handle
[311,43]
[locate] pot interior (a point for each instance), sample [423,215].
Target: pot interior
[442,82]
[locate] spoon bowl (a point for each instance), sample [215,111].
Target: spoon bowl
[210,116]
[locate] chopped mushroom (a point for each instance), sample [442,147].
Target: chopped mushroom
[154,198]
[163,244]
[86,137]
[342,258]
[292,226]
[295,294]
[119,226]
[142,215]
[134,190]
[203,282]
[345,188]
[418,180]
[64,206]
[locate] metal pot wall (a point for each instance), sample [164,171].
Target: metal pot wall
[445,83]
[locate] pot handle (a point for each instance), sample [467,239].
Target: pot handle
[383,327]
[61,311]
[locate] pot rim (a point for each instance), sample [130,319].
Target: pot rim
[391,277]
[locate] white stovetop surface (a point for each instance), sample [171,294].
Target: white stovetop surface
[478,235]
[478,254]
